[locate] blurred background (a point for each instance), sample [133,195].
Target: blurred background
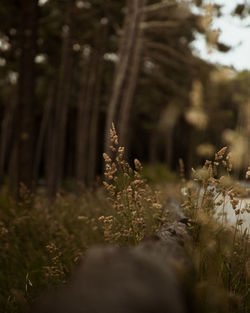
[69,68]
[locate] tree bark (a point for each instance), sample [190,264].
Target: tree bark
[153,148]
[43,130]
[84,111]
[56,153]
[93,128]
[88,110]
[126,71]
[169,146]
[132,74]
[24,114]
[6,135]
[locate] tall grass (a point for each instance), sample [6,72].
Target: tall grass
[221,252]
[41,243]
[137,211]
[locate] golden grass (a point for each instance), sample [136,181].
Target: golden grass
[41,243]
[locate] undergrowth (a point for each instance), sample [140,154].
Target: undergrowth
[221,252]
[41,243]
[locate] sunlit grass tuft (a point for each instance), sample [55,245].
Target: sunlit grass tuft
[137,209]
[221,252]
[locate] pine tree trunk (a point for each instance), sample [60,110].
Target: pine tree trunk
[132,73]
[169,146]
[43,130]
[88,111]
[153,147]
[84,112]
[93,128]
[57,147]
[126,71]
[6,134]
[24,115]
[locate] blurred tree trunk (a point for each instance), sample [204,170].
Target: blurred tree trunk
[132,74]
[88,110]
[84,109]
[153,146]
[169,146]
[126,71]
[43,130]
[24,113]
[6,134]
[93,129]
[55,159]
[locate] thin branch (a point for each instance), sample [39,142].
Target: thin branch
[159,24]
[169,50]
[164,60]
[153,8]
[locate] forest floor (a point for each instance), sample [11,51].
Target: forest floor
[41,243]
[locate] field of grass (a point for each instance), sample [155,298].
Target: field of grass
[42,242]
